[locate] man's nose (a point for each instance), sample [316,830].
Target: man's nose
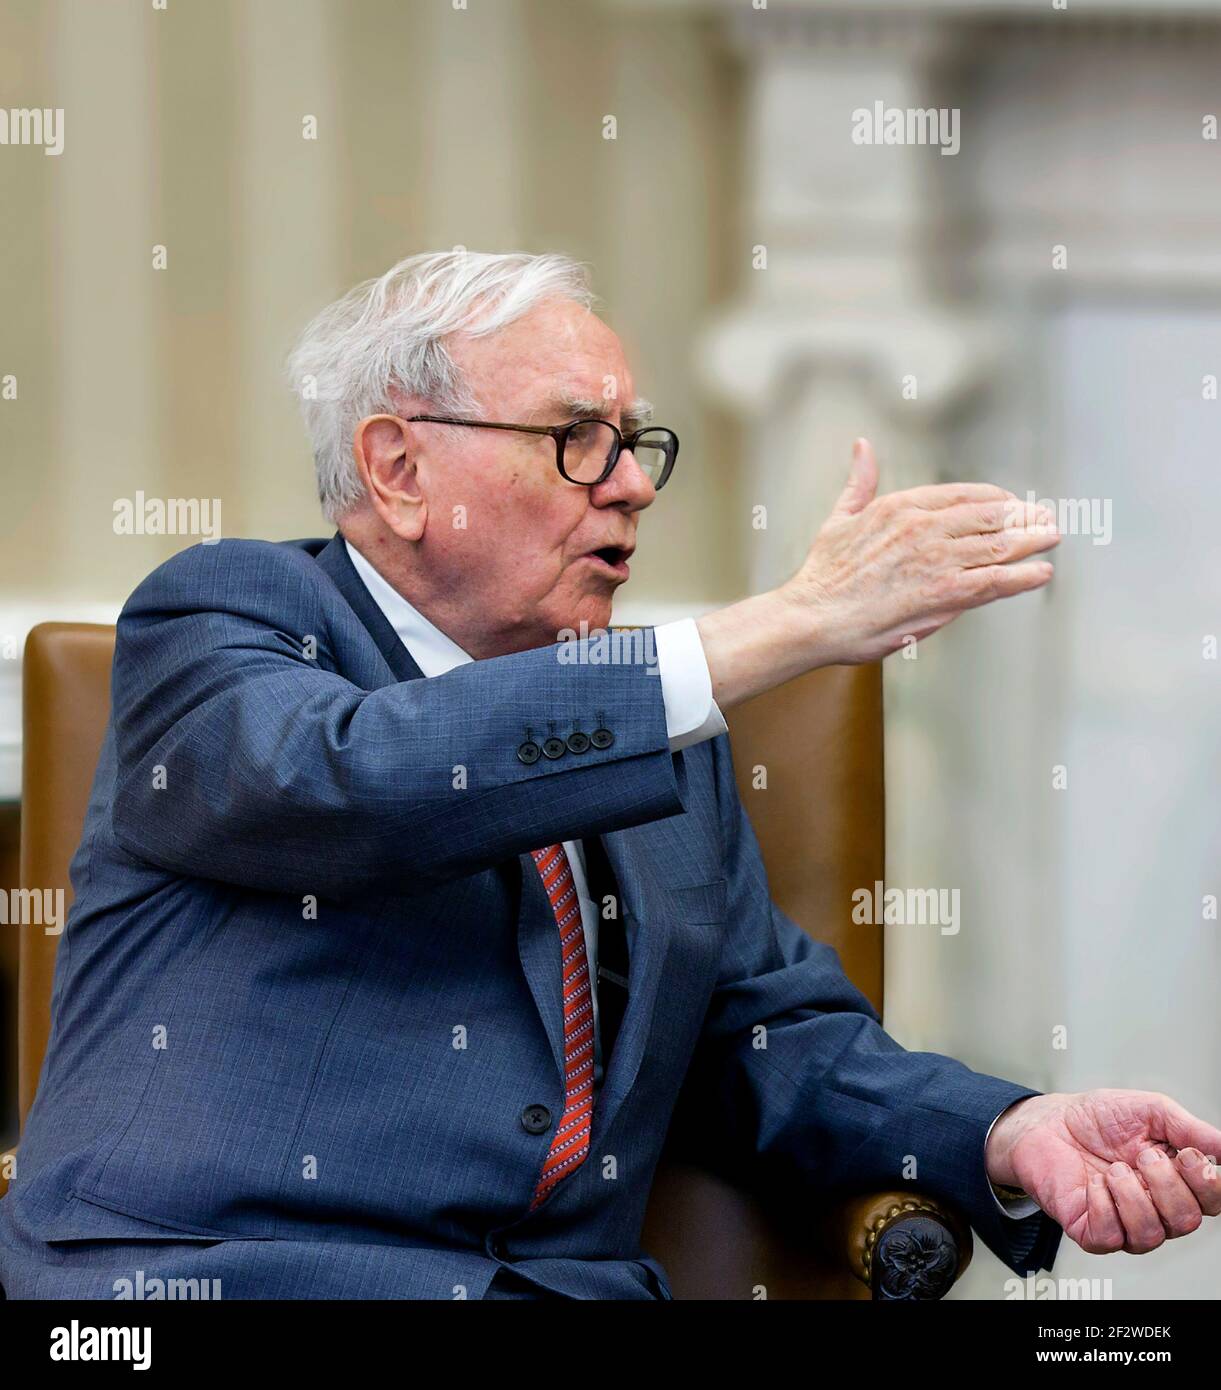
[627,485]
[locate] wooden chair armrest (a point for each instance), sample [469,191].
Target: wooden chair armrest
[900,1245]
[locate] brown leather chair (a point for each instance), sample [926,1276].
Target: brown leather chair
[820,825]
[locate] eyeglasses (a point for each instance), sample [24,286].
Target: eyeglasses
[586,451]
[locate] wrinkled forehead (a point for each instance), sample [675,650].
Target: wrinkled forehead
[559,357]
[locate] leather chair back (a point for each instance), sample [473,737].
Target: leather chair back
[808,761]
[821,818]
[66,703]
[808,757]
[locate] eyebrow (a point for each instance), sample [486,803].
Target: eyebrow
[635,414]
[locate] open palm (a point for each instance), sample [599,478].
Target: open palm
[1119,1170]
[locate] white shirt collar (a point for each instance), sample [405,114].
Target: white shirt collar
[431,650]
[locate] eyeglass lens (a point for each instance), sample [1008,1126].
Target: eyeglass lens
[589,447]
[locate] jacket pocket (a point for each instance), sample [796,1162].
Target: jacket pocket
[700,902]
[88,1218]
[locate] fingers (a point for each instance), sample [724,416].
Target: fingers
[1104,1232]
[1203,1178]
[984,583]
[1175,1202]
[1163,1206]
[981,518]
[1004,546]
[935,496]
[862,484]
[1185,1131]
[1142,1225]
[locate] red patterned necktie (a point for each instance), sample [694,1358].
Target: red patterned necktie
[570,1143]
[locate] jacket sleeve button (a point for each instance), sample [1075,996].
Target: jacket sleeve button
[554,747]
[578,742]
[601,738]
[528,752]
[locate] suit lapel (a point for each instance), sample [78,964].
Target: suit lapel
[538,945]
[650,942]
[335,561]
[612,965]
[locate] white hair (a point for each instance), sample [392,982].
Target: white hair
[387,335]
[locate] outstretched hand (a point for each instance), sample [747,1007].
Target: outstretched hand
[880,572]
[886,569]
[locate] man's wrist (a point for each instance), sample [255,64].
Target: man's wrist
[757,644]
[998,1150]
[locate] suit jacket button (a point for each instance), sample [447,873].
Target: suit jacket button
[554,747]
[536,1119]
[601,738]
[578,742]
[528,752]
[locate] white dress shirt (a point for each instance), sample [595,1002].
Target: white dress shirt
[691,716]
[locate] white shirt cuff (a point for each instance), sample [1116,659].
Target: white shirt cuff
[686,687]
[1017,1208]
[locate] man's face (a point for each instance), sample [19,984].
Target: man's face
[523,566]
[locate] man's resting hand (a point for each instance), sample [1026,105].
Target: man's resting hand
[1119,1170]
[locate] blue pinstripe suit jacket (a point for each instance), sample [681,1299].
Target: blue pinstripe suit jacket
[310,982]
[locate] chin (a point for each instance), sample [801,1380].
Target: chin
[595,613]
[592,610]
[581,624]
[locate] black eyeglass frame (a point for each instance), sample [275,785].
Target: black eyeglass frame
[560,434]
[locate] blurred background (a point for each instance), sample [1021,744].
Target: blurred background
[1041,309]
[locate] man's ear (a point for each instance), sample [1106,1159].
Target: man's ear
[385,459]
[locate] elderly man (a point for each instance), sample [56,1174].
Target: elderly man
[399,927]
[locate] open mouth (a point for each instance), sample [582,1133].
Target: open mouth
[613,558]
